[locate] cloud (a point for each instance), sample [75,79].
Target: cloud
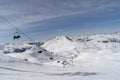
[24,13]
[27,11]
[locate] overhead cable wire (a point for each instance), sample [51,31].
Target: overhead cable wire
[10,24]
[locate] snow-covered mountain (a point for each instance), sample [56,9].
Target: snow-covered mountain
[60,44]
[105,38]
[83,57]
[63,48]
[86,48]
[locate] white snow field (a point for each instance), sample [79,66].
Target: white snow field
[95,57]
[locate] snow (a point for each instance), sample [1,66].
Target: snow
[59,44]
[94,57]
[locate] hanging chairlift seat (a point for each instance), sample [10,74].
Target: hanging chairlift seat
[16,36]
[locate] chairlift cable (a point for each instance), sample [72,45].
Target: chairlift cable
[16,28]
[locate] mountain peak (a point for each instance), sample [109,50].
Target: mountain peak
[63,38]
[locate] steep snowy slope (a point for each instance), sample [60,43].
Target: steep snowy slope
[60,44]
[63,49]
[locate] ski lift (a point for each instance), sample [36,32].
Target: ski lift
[16,36]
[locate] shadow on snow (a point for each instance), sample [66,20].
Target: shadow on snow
[76,74]
[53,74]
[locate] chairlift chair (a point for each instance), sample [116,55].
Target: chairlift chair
[16,36]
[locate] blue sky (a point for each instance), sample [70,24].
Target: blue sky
[43,19]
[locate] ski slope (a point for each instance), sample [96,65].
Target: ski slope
[94,57]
